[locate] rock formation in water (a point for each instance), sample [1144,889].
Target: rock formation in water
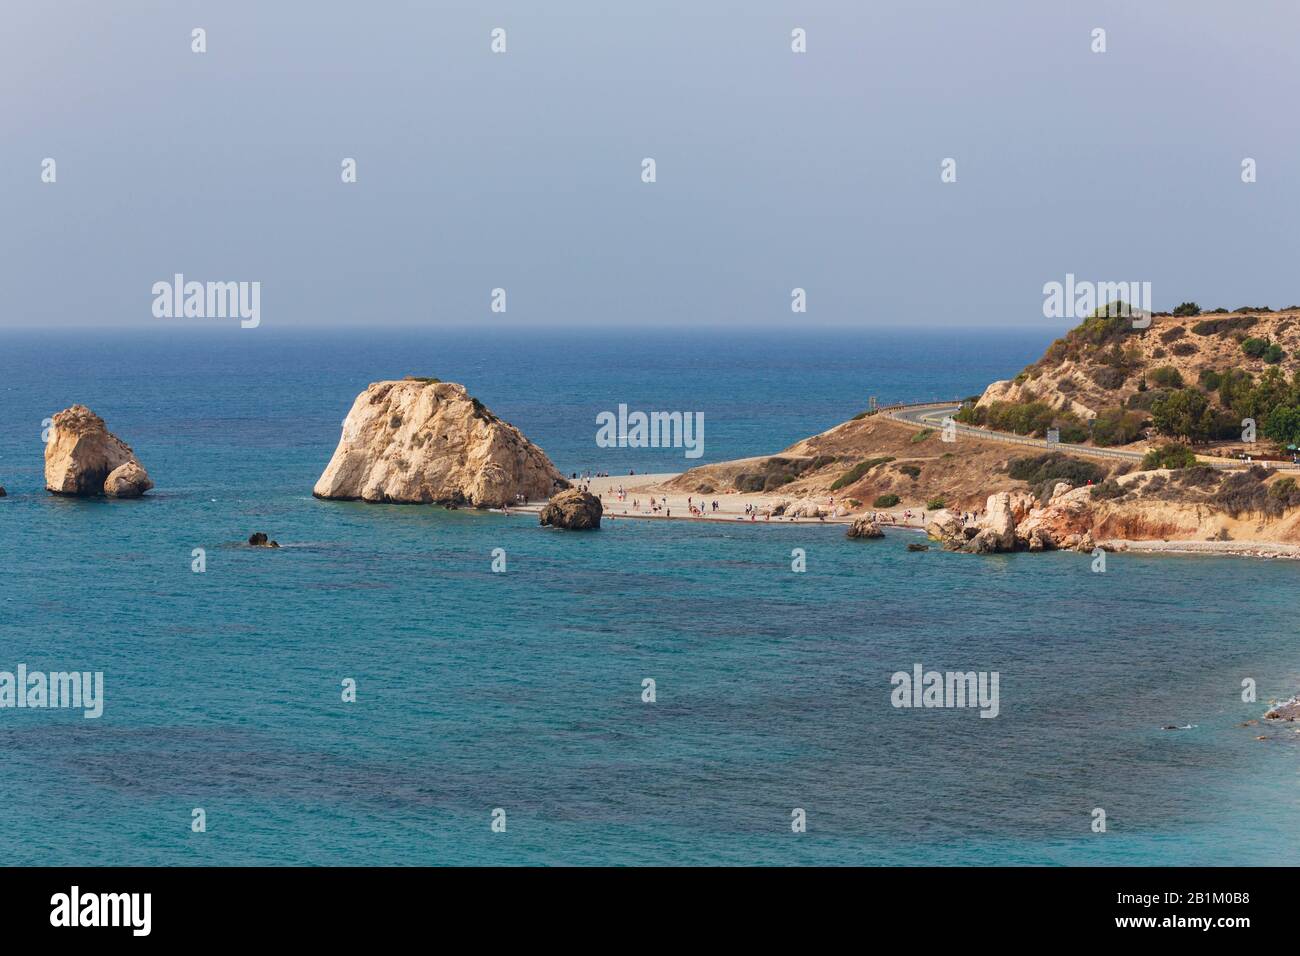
[573,509]
[84,458]
[864,527]
[422,440]
[259,539]
[1288,710]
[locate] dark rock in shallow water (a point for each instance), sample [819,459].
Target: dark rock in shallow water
[259,540]
[864,528]
[573,509]
[918,547]
[2,491]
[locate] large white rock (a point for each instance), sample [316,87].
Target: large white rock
[84,458]
[420,440]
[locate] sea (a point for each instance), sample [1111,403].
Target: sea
[374,693]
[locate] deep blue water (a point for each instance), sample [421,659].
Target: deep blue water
[522,690]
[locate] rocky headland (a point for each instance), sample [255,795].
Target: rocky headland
[1174,399]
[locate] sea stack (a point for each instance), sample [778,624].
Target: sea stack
[83,458]
[420,440]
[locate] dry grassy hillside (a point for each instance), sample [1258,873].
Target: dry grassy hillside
[869,457]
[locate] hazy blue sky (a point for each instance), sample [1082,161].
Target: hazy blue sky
[522,170]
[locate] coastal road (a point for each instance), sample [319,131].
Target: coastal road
[932,415]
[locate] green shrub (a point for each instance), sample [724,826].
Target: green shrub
[1107,377]
[858,470]
[1172,333]
[1209,379]
[1223,326]
[922,435]
[885,501]
[1199,476]
[1244,492]
[1183,414]
[1117,426]
[1110,488]
[1054,467]
[1021,418]
[912,471]
[934,504]
[1166,376]
[1284,490]
[1172,455]
[1273,354]
[1187,308]
[1283,424]
[1255,347]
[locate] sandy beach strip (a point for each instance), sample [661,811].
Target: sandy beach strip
[639,489]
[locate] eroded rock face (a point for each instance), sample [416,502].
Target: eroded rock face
[864,528]
[420,440]
[997,526]
[573,509]
[1067,517]
[84,458]
[944,525]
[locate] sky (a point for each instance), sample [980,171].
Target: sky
[522,170]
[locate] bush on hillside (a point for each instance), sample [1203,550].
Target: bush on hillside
[1172,455]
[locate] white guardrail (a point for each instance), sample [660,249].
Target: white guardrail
[890,411]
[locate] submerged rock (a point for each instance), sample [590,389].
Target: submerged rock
[421,440]
[864,528]
[573,509]
[84,458]
[918,547]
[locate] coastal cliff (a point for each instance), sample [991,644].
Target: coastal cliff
[420,440]
[83,458]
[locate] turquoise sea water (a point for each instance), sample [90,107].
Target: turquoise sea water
[523,690]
